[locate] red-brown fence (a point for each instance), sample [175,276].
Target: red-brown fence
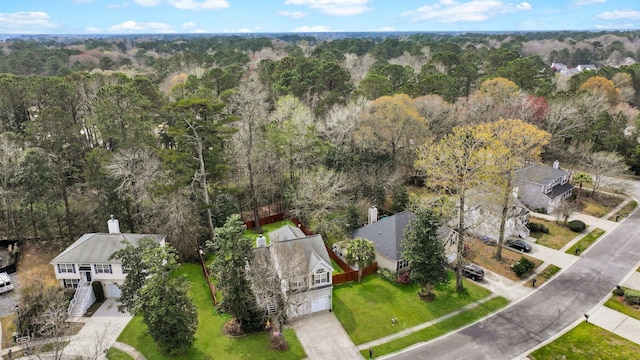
[348,275]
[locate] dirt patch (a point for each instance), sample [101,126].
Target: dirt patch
[484,255]
[35,257]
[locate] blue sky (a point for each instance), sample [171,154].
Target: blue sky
[234,16]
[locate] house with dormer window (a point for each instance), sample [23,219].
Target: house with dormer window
[88,260]
[298,267]
[542,187]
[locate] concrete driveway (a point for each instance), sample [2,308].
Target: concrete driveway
[323,337]
[99,332]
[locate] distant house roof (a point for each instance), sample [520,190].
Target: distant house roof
[586,67]
[387,234]
[96,248]
[313,246]
[539,174]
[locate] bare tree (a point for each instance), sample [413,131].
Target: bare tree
[278,274]
[10,153]
[564,210]
[604,165]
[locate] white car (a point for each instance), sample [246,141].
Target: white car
[5,283]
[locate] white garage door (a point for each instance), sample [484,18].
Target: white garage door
[320,303]
[112,291]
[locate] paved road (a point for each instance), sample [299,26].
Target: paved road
[555,306]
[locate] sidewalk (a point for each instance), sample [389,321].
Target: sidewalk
[616,322]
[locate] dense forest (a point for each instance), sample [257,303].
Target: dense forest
[173,134]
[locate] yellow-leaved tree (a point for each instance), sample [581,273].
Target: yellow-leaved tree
[599,85]
[524,143]
[459,164]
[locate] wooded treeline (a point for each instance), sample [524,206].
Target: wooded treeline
[172,136]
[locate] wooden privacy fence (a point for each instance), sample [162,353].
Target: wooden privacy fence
[348,275]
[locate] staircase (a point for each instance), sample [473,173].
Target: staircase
[271,307]
[81,300]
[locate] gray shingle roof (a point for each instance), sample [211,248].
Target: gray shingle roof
[313,246]
[97,247]
[539,174]
[387,234]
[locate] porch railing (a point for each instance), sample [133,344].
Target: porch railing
[73,302]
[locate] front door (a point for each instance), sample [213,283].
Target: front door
[87,275]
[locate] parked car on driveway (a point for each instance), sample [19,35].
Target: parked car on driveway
[520,245]
[473,271]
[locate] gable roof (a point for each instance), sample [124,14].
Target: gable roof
[96,248]
[387,234]
[313,247]
[539,174]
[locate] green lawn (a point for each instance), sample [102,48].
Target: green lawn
[116,354]
[558,236]
[210,342]
[336,268]
[440,328]
[266,229]
[588,341]
[366,309]
[586,241]
[616,305]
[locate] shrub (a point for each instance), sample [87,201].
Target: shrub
[522,266]
[632,297]
[404,278]
[618,291]
[98,291]
[576,225]
[537,227]
[386,274]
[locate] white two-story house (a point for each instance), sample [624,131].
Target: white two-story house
[542,187]
[298,267]
[87,260]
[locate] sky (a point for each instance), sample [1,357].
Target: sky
[277,16]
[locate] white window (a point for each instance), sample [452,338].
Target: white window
[67,268]
[297,282]
[71,283]
[321,276]
[102,268]
[402,264]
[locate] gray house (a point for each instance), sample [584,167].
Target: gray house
[387,234]
[541,186]
[302,268]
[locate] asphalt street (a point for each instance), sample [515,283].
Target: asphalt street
[513,332]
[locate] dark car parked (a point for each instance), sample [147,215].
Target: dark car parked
[473,271]
[519,245]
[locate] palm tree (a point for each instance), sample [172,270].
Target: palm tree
[581,179]
[360,252]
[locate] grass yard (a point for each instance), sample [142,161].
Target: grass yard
[586,241]
[588,341]
[625,211]
[210,342]
[115,354]
[598,205]
[441,328]
[546,274]
[366,309]
[8,328]
[266,229]
[336,268]
[484,255]
[618,304]
[558,236]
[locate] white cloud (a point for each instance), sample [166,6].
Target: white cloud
[334,7]
[616,27]
[317,28]
[189,25]
[589,2]
[148,2]
[449,11]
[141,28]
[29,22]
[199,5]
[292,14]
[619,14]
[117,6]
